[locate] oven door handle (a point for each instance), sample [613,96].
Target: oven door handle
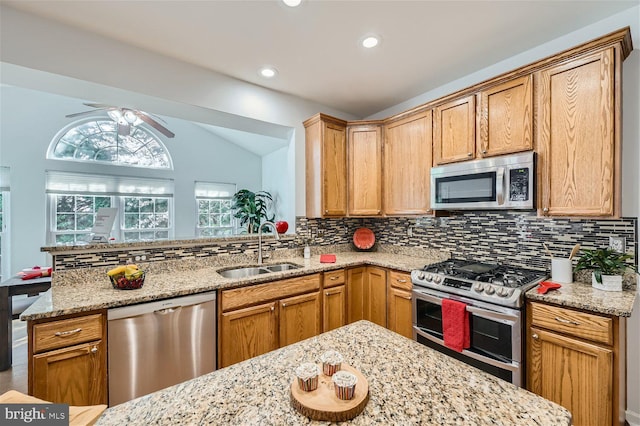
[492,315]
[511,366]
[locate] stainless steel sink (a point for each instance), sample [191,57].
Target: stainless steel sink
[250,271]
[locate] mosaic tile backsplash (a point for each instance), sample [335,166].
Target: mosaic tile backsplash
[509,237]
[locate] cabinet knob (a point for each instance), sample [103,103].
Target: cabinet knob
[484,151]
[273,308]
[469,154]
[534,335]
[333,278]
[284,305]
[94,349]
[545,210]
[406,297]
[401,281]
[327,294]
[326,212]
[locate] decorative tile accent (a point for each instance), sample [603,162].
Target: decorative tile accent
[510,237]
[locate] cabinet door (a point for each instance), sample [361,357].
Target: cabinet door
[400,319]
[356,278]
[334,170]
[455,131]
[365,170]
[577,145]
[572,373]
[76,375]
[248,332]
[334,308]
[506,118]
[407,165]
[299,318]
[375,296]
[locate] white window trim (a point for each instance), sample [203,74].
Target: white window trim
[5,260]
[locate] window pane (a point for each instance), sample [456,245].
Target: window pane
[162,205]
[203,220]
[162,235]
[225,220]
[84,222]
[102,202]
[84,204]
[65,222]
[131,236]
[225,207]
[146,205]
[146,221]
[203,206]
[162,221]
[65,203]
[214,220]
[131,221]
[147,235]
[0,202]
[64,239]
[131,204]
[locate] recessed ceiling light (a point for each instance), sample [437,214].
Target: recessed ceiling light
[292,3]
[370,41]
[268,72]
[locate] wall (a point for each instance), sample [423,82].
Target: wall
[276,180]
[30,119]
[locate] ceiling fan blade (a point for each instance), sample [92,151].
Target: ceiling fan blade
[124,129]
[153,123]
[78,114]
[100,106]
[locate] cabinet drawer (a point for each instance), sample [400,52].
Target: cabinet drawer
[400,280]
[575,323]
[259,293]
[333,278]
[62,333]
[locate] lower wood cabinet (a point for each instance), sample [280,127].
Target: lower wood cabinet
[68,359]
[573,359]
[334,302]
[366,295]
[260,318]
[399,308]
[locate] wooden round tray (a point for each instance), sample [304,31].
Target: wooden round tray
[323,404]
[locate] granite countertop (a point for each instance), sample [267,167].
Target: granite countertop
[409,384]
[88,289]
[584,296]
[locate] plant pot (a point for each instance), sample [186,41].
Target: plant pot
[609,282]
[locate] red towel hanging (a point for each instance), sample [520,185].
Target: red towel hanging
[455,325]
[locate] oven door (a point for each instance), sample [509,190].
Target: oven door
[496,344]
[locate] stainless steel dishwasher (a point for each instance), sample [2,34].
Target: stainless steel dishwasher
[159,344]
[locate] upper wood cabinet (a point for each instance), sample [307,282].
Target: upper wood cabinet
[505,119]
[578,138]
[407,165]
[455,131]
[326,166]
[364,156]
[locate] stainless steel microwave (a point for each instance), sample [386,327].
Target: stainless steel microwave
[505,182]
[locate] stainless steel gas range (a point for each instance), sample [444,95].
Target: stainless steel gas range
[494,295]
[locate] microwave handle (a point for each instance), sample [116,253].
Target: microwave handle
[500,185]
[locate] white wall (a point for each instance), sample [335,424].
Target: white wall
[275,179]
[36,43]
[30,119]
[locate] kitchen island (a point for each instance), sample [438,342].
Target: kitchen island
[408,383]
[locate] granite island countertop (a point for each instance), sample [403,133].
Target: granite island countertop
[88,289]
[409,384]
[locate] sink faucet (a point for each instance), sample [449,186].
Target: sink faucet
[275,233]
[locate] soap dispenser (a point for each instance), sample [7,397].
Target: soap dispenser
[307,251]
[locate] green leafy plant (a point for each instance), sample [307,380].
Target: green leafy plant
[251,208]
[603,262]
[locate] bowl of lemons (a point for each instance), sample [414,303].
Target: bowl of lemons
[126,277]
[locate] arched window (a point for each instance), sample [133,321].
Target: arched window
[98,140]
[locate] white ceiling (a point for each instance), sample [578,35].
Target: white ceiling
[315,49]
[258,144]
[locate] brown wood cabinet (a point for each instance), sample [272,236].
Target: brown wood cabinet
[505,119]
[407,165]
[399,308]
[326,166]
[68,359]
[260,318]
[334,303]
[364,156]
[455,131]
[366,295]
[573,359]
[578,138]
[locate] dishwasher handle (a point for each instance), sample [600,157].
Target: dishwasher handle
[167,311]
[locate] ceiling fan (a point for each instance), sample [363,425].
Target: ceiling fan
[126,117]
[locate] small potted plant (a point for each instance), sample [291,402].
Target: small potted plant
[608,266]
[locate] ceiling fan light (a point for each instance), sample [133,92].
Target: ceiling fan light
[130,117]
[116,115]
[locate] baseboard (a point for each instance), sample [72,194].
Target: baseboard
[633,419]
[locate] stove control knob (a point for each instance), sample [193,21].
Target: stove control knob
[478,287]
[502,292]
[428,277]
[421,275]
[489,289]
[437,279]
[508,292]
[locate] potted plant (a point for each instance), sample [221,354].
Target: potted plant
[608,266]
[251,208]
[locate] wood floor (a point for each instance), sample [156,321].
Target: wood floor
[16,377]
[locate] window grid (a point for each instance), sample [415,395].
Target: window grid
[74,216]
[214,217]
[146,218]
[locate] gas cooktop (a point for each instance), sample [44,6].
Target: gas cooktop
[499,284]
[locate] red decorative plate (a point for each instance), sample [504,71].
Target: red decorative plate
[363,238]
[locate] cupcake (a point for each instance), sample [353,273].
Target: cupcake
[307,375]
[331,361]
[344,384]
